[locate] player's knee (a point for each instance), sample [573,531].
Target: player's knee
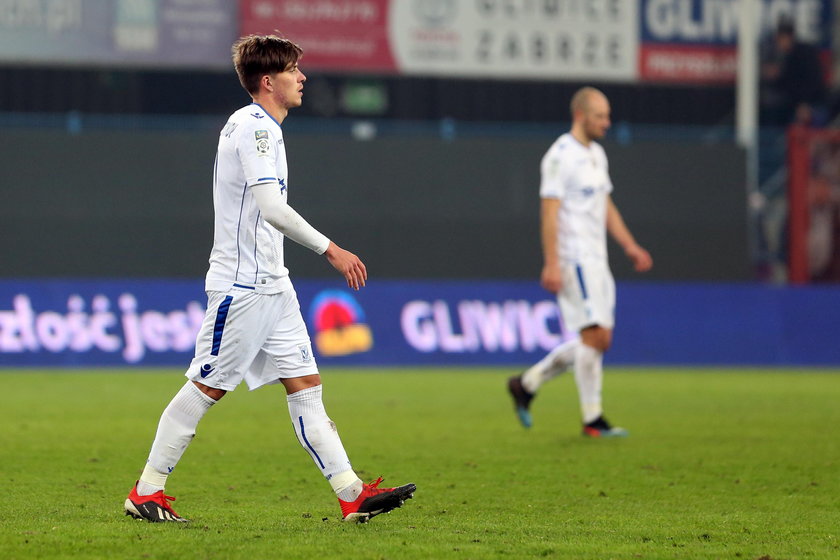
[296,384]
[211,392]
[598,338]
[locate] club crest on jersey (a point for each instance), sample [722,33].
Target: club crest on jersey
[263,146]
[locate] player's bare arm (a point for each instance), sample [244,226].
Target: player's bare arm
[349,265]
[638,255]
[551,278]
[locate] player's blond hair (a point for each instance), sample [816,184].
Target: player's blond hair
[255,56]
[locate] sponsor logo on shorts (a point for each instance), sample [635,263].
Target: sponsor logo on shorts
[305,354]
[206,370]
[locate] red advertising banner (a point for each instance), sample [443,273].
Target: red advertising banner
[340,35]
[688,63]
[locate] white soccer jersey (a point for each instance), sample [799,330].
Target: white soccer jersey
[247,250]
[579,177]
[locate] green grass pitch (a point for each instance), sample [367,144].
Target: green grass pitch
[741,464]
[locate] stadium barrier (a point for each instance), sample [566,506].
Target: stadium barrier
[154,322]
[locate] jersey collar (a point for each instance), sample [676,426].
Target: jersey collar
[267,113]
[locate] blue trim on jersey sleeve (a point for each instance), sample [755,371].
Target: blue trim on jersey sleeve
[264,181]
[219,327]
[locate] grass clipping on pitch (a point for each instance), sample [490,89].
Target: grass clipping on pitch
[719,464]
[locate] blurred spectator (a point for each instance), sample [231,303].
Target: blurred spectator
[794,81]
[824,213]
[793,92]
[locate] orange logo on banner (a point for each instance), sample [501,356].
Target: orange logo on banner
[339,324]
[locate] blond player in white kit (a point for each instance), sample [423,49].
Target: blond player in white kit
[253,330]
[576,212]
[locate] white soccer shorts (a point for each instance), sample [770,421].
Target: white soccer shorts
[258,338]
[588,295]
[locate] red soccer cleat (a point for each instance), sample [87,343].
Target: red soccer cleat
[600,428]
[374,500]
[154,508]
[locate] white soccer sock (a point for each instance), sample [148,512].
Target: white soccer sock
[318,435]
[552,365]
[589,375]
[175,432]
[347,485]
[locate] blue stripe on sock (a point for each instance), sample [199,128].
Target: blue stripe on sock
[219,328]
[580,280]
[309,445]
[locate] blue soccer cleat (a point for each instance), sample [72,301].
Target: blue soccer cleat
[521,400]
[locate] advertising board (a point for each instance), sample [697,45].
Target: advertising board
[159,33]
[696,41]
[424,323]
[680,41]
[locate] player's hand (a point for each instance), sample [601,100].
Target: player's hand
[348,265]
[551,279]
[641,259]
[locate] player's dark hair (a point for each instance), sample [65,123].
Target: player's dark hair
[254,56]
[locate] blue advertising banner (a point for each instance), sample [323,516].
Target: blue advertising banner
[55,323]
[154,323]
[75,323]
[159,33]
[694,41]
[715,22]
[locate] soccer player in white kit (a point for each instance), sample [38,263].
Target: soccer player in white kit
[576,212]
[253,330]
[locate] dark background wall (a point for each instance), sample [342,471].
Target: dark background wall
[139,204]
[113,91]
